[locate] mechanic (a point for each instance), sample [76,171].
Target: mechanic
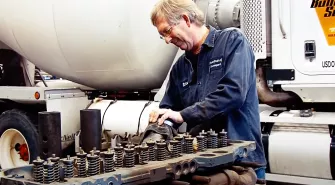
[213,84]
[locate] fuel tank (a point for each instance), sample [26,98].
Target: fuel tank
[103,44]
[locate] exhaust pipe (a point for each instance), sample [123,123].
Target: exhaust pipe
[274,99]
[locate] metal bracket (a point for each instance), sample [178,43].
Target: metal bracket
[280,74]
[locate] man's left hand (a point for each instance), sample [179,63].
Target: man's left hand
[166,114]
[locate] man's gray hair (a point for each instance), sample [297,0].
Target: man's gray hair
[172,11]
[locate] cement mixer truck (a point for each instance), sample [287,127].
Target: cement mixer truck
[109,50]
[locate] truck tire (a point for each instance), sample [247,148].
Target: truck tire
[16,130]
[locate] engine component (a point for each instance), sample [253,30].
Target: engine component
[69,168]
[48,174]
[183,143]
[161,150]
[55,160]
[90,125]
[179,145]
[95,151]
[201,143]
[118,156]
[38,169]
[129,157]
[205,134]
[223,139]
[214,139]
[147,173]
[175,152]
[137,154]
[189,145]
[144,154]
[109,161]
[49,125]
[81,163]
[93,164]
[152,151]
[209,140]
[130,145]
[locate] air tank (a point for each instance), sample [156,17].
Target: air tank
[103,44]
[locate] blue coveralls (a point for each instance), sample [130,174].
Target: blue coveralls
[217,89]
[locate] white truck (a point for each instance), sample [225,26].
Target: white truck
[104,48]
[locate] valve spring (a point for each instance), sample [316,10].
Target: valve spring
[209,140]
[55,160]
[144,154]
[109,161]
[129,157]
[214,139]
[81,163]
[137,154]
[69,168]
[93,164]
[152,152]
[183,144]
[223,139]
[179,145]
[201,143]
[48,175]
[175,152]
[161,151]
[203,133]
[189,145]
[209,143]
[98,153]
[118,156]
[38,170]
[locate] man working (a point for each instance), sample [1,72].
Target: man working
[213,84]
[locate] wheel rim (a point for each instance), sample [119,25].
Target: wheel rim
[14,147]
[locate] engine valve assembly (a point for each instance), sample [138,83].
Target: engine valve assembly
[56,160]
[68,167]
[161,151]
[48,174]
[118,156]
[81,163]
[152,151]
[38,170]
[93,164]
[109,161]
[127,156]
[144,154]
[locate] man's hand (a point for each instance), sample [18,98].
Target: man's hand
[166,113]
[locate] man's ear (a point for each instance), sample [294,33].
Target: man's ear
[186,19]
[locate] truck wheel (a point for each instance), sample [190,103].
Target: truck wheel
[18,141]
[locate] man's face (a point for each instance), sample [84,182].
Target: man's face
[178,34]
